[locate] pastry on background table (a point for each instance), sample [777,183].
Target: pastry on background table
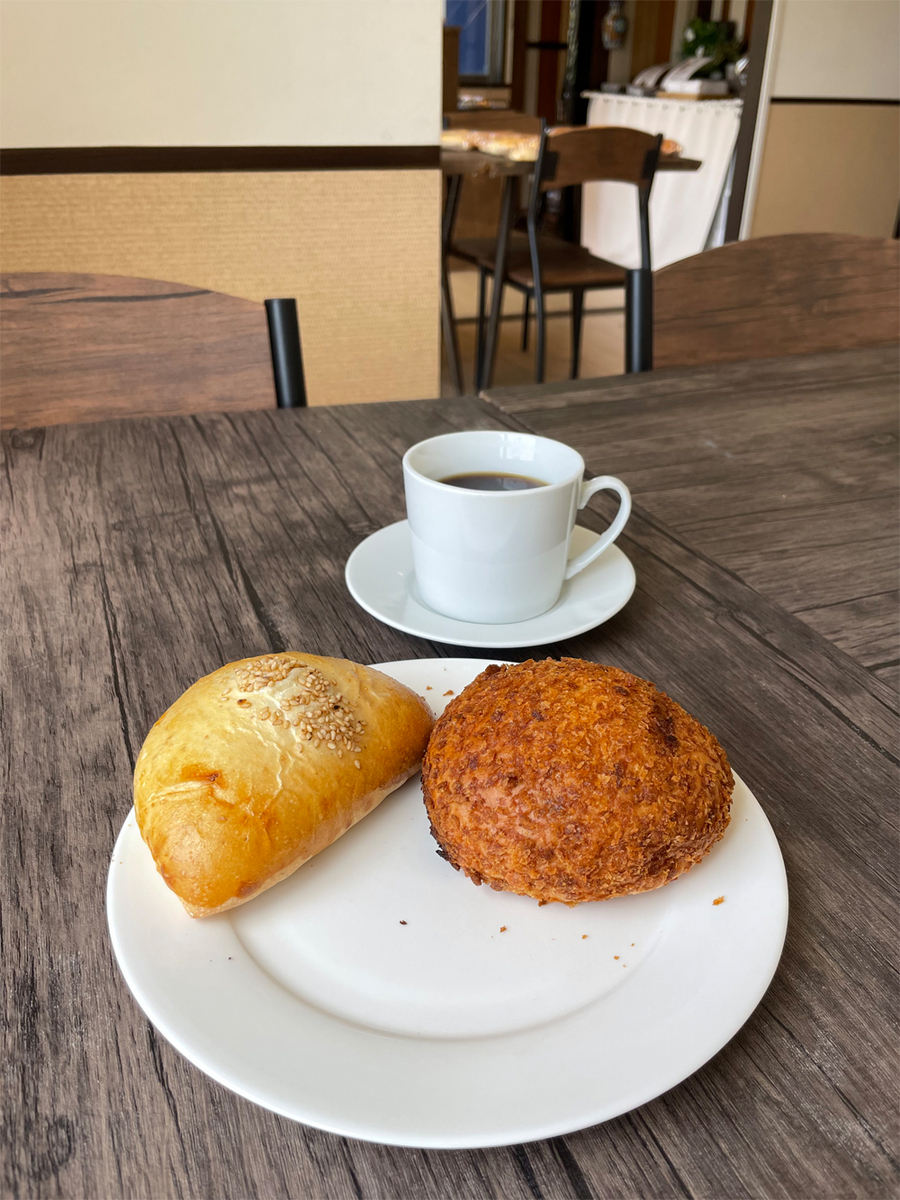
[457,139]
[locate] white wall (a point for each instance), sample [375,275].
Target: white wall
[220,72]
[846,49]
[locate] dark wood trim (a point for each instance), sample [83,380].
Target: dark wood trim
[748,22]
[827,100]
[101,160]
[548,48]
[759,44]
[520,36]
[665,25]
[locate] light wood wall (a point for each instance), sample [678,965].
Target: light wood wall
[829,168]
[360,251]
[826,156]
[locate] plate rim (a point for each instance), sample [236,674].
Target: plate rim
[458,639]
[546,1129]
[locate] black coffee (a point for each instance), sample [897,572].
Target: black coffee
[495,482]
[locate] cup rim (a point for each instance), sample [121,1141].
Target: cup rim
[576,476]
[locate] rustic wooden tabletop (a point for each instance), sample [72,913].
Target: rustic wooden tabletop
[783,470]
[142,554]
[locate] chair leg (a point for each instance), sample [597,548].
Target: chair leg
[492,336]
[451,338]
[525,316]
[577,314]
[479,328]
[638,320]
[541,331]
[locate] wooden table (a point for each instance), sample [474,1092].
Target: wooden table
[457,165]
[473,162]
[782,470]
[141,554]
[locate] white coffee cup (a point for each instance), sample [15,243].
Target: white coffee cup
[498,556]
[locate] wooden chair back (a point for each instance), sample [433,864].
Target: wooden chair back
[795,293]
[493,119]
[598,153]
[91,347]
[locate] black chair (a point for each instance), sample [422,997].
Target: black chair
[95,347]
[471,249]
[540,265]
[792,293]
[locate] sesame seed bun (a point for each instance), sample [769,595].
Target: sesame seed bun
[264,763]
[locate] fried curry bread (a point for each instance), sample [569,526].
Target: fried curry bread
[264,763]
[572,781]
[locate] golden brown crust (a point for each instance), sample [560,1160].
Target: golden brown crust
[264,763]
[572,781]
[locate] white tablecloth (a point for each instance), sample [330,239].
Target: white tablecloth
[682,204]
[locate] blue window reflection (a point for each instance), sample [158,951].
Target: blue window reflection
[474,37]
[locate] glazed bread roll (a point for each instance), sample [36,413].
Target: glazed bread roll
[264,763]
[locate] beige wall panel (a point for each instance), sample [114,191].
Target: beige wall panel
[841,48]
[829,168]
[360,251]
[229,73]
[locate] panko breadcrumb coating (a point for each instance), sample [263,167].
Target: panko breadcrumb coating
[572,781]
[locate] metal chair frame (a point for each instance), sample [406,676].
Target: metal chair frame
[638,339]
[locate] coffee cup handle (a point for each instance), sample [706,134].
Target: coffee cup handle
[601,483]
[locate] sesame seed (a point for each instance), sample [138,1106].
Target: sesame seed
[356,764]
[314,707]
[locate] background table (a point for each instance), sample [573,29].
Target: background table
[456,165]
[142,554]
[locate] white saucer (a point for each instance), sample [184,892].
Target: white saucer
[381,580]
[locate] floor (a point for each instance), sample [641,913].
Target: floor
[602,336]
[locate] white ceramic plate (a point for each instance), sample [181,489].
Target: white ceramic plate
[374,995]
[381,579]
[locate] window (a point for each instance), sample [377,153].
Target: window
[482,28]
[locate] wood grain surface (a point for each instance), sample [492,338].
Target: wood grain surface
[795,293]
[141,554]
[472,162]
[611,153]
[783,470]
[90,347]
